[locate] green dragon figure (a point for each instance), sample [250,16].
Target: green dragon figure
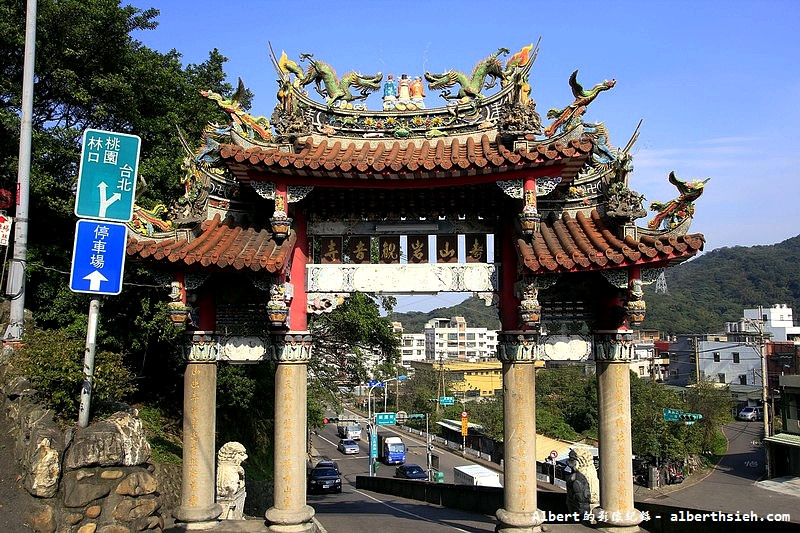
[242,121]
[472,85]
[676,211]
[570,115]
[335,89]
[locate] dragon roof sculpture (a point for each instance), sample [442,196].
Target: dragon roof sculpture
[485,135]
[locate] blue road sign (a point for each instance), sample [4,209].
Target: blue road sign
[373,446]
[98,257]
[107,175]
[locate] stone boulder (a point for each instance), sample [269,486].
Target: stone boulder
[118,440]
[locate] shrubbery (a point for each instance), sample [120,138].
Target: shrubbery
[53,362]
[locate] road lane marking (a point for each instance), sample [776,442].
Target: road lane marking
[410,513]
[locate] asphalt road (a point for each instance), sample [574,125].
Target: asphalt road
[730,486]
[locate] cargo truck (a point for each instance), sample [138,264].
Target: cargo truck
[476,475]
[391,450]
[349,430]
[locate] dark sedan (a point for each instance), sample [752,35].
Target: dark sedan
[409,471]
[324,479]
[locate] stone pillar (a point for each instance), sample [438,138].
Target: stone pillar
[518,350]
[613,350]
[198,483]
[290,513]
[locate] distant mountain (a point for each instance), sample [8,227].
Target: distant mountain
[702,294]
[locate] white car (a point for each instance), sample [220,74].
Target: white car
[348,446]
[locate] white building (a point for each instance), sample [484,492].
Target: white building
[452,339]
[777,321]
[412,348]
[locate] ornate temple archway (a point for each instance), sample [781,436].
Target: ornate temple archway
[328,198]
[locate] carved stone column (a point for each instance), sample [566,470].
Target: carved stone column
[613,351]
[198,483]
[518,350]
[290,513]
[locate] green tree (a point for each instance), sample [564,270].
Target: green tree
[569,394]
[715,404]
[91,72]
[650,433]
[342,338]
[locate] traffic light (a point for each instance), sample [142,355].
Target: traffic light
[416,417]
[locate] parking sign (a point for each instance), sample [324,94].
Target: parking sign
[107,175]
[98,257]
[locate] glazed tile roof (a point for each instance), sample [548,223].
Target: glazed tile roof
[343,158]
[223,244]
[584,243]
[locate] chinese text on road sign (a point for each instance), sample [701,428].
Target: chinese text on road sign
[107,175]
[98,257]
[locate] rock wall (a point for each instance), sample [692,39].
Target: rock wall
[85,480]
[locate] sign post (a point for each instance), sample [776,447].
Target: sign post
[105,191]
[464,431]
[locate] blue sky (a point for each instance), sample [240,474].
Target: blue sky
[716,83]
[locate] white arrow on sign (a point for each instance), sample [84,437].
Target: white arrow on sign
[105,202]
[94,280]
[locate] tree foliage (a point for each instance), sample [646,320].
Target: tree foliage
[53,362]
[91,73]
[343,337]
[650,433]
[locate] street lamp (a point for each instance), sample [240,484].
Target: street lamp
[373,433]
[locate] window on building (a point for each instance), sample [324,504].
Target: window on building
[721,378]
[742,379]
[641,371]
[716,357]
[735,357]
[470,336]
[452,336]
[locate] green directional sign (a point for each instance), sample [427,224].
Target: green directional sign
[447,400]
[690,418]
[107,175]
[673,415]
[386,419]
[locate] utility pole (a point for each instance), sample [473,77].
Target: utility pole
[764,384]
[16,275]
[696,359]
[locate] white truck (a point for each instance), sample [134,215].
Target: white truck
[476,475]
[349,430]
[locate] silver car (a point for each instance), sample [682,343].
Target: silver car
[751,413]
[348,446]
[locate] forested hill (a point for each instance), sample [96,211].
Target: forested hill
[706,292]
[702,294]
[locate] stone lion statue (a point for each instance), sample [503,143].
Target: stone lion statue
[230,480]
[583,485]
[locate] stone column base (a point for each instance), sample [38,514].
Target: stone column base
[291,521]
[191,515]
[512,522]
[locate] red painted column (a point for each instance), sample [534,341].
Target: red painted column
[298,318]
[508,276]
